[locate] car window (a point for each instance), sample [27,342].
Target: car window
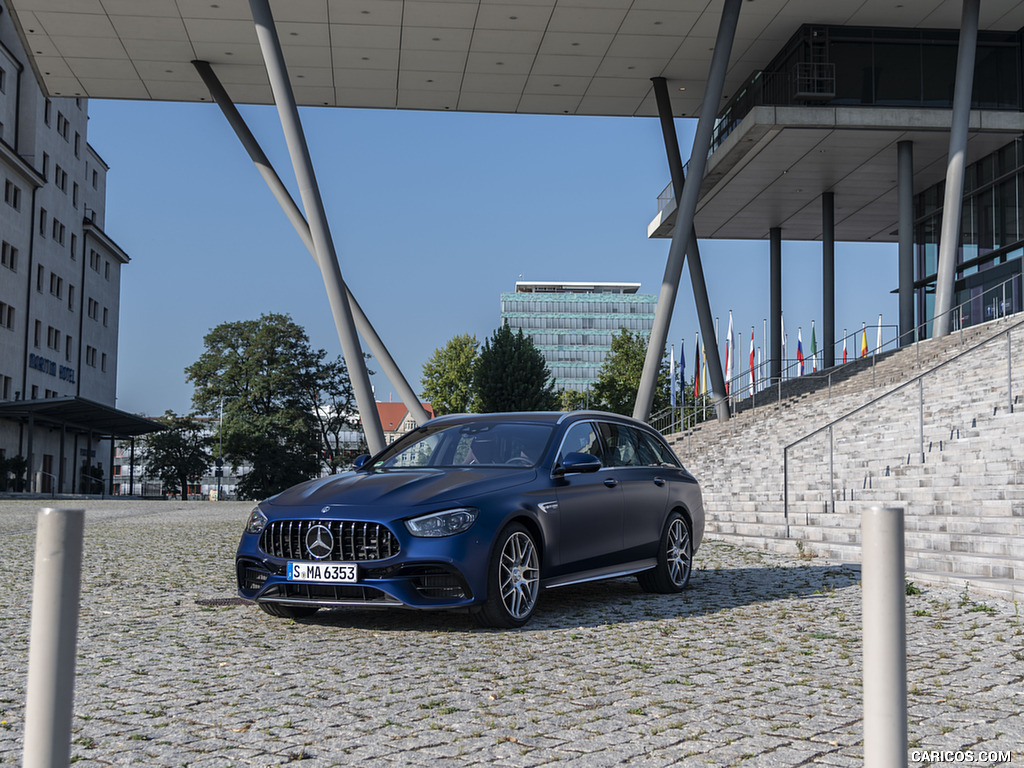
[660,455]
[622,443]
[581,437]
[485,443]
[419,454]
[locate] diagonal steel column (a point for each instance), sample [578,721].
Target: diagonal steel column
[700,292]
[684,233]
[323,244]
[284,198]
[949,237]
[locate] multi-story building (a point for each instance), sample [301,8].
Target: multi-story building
[572,324]
[60,278]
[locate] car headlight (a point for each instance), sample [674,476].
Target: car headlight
[446,523]
[257,521]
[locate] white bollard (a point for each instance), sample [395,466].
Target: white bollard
[54,633]
[883,582]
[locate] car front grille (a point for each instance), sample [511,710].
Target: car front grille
[352,541]
[337,594]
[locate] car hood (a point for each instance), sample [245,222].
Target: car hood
[399,487]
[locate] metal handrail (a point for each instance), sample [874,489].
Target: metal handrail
[919,379]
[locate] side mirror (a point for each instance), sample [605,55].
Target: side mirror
[575,463]
[360,461]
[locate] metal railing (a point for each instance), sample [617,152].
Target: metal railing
[872,404]
[995,302]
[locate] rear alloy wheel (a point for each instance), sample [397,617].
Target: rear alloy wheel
[285,611]
[513,580]
[675,559]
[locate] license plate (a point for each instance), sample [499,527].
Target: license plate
[343,573]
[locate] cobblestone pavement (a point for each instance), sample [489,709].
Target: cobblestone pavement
[758,663]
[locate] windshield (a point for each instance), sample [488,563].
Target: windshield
[485,443]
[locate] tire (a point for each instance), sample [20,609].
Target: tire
[513,581]
[284,611]
[675,558]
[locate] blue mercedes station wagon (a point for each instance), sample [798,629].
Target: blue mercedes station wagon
[479,512]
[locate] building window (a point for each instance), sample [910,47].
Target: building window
[6,316]
[3,80]
[46,166]
[74,246]
[68,344]
[56,285]
[95,180]
[62,125]
[106,270]
[103,362]
[35,392]
[47,109]
[38,332]
[94,261]
[93,309]
[52,338]
[60,178]
[57,231]
[12,194]
[105,317]
[5,389]
[9,257]
[74,194]
[78,144]
[71,298]
[90,356]
[42,222]
[40,277]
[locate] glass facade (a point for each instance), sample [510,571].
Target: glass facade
[573,326]
[988,276]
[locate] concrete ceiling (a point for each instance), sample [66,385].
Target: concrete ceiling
[581,57]
[574,57]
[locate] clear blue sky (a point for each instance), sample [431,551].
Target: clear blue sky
[433,215]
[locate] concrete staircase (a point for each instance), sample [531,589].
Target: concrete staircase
[961,487]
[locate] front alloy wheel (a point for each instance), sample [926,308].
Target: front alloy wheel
[514,580]
[675,559]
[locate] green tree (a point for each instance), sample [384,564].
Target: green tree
[619,377]
[180,454]
[270,382]
[572,400]
[448,375]
[510,375]
[336,415]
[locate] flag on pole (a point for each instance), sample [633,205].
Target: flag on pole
[864,340]
[696,376]
[728,361]
[814,350]
[753,375]
[782,330]
[682,370]
[799,352]
[878,344]
[672,375]
[703,370]
[844,346]
[761,382]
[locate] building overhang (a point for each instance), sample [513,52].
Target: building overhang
[773,168]
[79,415]
[584,57]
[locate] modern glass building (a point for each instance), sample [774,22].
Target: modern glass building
[572,324]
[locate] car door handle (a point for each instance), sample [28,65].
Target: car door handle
[659,481]
[611,482]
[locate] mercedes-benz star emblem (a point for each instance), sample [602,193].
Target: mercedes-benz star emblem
[319,542]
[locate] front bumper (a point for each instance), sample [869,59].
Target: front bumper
[395,569]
